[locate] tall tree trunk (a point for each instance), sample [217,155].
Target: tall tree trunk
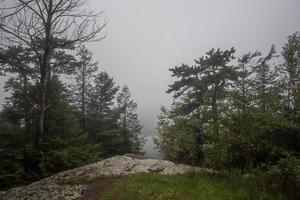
[41,105]
[44,70]
[40,115]
[26,104]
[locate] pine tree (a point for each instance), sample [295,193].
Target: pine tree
[130,127]
[291,55]
[66,145]
[46,27]
[85,69]
[178,138]
[19,62]
[264,82]
[217,76]
[100,107]
[242,91]
[203,87]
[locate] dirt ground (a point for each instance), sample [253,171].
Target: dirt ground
[99,187]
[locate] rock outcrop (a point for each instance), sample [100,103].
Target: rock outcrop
[72,184]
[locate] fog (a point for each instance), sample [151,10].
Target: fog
[147,37]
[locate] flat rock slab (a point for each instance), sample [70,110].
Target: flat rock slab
[73,184]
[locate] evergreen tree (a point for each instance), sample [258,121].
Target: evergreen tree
[291,55]
[264,82]
[19,62]
[179,138]
[242,91]
[66,144]
[205,86]
[13,150]
[85,69]
[46,27]
[23,64]
[101,115]
[241,97]
[130,127]
[216,74]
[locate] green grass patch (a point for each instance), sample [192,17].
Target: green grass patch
[187,187]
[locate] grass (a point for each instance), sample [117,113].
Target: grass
[187,187]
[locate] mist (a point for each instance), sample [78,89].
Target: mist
[146,38]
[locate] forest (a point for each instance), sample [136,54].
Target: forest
[87,117]
[234,114]
[61,111]
[237,113]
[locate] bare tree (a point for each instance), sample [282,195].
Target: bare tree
[45,26]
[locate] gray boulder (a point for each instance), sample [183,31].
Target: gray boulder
[72,184]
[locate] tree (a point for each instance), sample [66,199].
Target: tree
[12,148]
[291,55]
[128,122]
[19,61]
[204,86]
[65,144]
[100,110]
[201,93]
[179,138]
[243,83]
[84,72]
[44,27]
[216,73]
[241,98]
[264,82]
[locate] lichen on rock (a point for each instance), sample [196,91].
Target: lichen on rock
[71,184]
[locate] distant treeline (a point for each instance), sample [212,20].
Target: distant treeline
[237,113]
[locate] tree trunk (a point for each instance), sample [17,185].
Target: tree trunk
[44,70]
[243,92]
[41,109]
[26,104]
[126,148]
[214,108]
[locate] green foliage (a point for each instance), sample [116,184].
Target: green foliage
[287,170]
[12,170]
[177,139]
[65,145]
[243,116]
[196,186]
[111,117]
[130,127]
[291,55]
[100,112]
[84,72]
[45,127]
[69,157]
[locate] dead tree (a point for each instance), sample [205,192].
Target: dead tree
[45,26]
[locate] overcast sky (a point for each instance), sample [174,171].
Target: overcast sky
[147,37]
